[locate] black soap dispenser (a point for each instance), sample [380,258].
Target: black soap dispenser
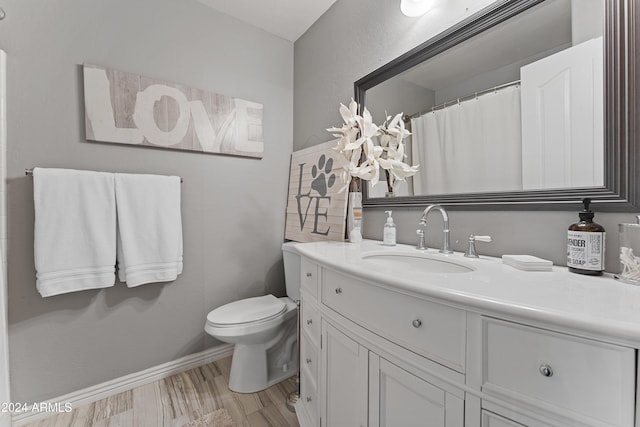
[585,244]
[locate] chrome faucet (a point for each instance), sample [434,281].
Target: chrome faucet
[445,229]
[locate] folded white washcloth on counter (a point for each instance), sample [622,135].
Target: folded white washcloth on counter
[527,262]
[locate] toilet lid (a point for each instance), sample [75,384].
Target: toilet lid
[247,310]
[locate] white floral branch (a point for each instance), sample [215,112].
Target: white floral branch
[361,157]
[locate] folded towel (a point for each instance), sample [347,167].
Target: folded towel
[75,230]
[149,228]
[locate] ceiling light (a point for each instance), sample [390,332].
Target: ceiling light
[414,8]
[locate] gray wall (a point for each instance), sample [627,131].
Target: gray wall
[233,208]
[398,96]
[354,38]
[499,76]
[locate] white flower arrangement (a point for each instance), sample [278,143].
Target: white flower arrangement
[362,157]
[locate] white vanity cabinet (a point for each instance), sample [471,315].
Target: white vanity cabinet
[378,354]
[358,386]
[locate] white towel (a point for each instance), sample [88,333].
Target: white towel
[75,230]
[149,228]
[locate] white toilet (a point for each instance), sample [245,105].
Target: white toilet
[264,331]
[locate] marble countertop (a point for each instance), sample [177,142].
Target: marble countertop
[598,306]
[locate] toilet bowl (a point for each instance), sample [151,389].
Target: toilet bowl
[264,332]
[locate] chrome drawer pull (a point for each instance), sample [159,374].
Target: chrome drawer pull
[338,291]
[546,370]
[417,323]
[309,274]
[309,321]
[308,361]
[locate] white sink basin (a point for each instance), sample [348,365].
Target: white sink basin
[405,261]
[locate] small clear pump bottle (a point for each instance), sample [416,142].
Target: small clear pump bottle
[355,236]
[389,231]
[585,244]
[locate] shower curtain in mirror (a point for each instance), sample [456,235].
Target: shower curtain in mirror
[471,146]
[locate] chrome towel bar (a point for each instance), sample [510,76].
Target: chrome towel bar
[29,172]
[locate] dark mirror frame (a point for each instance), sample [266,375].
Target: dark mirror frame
[621,192]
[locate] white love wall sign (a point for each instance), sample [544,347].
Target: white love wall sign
[316,209]
[131,109]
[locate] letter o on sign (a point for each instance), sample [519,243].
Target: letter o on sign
[144,120]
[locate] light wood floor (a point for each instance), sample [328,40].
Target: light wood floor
[181,398]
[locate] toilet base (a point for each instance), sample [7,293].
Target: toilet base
[255,367]
[252,378]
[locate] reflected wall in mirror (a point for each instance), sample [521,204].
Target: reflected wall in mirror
[525,102]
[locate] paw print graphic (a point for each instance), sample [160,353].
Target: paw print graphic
[320,172]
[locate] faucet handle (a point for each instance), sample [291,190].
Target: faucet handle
[471,248]
[421,242]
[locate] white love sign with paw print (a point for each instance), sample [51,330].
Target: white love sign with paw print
[316,209]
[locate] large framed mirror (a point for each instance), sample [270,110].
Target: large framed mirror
[528,104]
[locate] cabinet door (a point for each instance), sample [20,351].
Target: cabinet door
[344,377]
[399,398]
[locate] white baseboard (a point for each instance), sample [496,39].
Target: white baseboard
[128,382]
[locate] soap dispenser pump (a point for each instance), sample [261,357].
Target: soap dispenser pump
[389,232]
[585,244]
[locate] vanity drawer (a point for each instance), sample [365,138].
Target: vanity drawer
[309,396]
[309,357]
[547,369]
[432,330]
[310,319]
[309,276]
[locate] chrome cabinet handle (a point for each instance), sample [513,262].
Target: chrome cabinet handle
[545,370]
[309,274]
[338,291]
[309,321]
[308,361]
[417,323]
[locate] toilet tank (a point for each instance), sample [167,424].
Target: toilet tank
[291,259]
